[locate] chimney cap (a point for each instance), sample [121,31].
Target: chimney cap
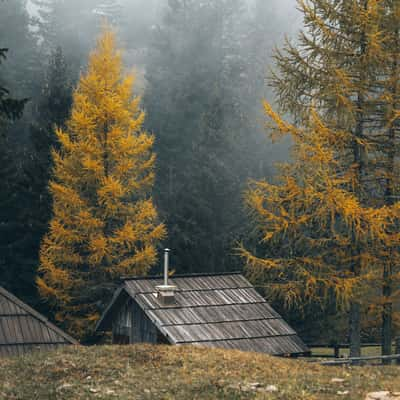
[166,294]
[166,288]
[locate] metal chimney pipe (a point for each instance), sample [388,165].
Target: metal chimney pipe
[166,266]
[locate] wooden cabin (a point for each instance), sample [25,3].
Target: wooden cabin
[22,329]
[221,310]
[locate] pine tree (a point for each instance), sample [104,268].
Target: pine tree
[104,221]
[32,209]
[334,245]
[13,236]
[69,24]
[9,108]
[53,106]
[11,227]
[16,264]
[194,101]
[15,74]
[72,25]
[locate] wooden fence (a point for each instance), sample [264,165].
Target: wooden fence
[361,360]
[355,360]
[336,348]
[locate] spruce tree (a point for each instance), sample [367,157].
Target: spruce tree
[9,108]
[18,234]
[54,106]
[195,75]
[72,25]
[13,196]
[104,222]
[17,44]
[54,103]
[13,236]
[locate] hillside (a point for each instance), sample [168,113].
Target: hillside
[165,372]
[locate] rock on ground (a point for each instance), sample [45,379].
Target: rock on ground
[384,395]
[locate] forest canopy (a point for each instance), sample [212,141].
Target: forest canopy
[242,134]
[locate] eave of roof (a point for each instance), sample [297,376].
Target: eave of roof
[225,311]
[29,310]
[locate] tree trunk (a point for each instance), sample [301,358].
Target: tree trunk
[355,329]
[387,316]
[359,160]
[389,200]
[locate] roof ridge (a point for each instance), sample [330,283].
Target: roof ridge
[200,274]
[36,315]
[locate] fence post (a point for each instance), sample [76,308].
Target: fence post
[397,351]
[336,349]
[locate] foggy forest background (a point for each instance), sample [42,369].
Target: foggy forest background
[201,73]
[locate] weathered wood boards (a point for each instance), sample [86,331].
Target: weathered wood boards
[221,310]
[23,329]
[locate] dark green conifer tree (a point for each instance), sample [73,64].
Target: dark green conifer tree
[21,73]
[72,25]
[12,184]
[53,110]
[195,75]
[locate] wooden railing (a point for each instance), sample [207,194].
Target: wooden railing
[355,360]
[336,348]
[360,360]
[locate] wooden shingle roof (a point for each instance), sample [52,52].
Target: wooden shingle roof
[211,310]
[23,329]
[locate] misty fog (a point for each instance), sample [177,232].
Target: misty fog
[139,18]
[201,70]
[133,128]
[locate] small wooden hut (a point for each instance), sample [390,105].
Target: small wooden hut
[22,329]
[221,310]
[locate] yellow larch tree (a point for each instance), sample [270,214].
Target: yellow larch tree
[313,229]
[384,137]
[329,227]
[104,222]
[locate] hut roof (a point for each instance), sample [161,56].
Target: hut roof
[23,329]
[222,310]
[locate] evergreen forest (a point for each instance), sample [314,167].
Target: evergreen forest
[245,135]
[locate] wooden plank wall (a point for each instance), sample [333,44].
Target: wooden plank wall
[143,330]
[131,325]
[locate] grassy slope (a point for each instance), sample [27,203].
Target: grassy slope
[166,372]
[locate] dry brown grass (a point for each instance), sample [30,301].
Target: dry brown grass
[166,372]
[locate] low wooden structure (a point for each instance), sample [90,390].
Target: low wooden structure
[222,310]
[22,329]
[336,348]
[361,360]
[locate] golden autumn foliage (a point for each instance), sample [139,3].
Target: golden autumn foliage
[329,227]
[104,222]
[313,224]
